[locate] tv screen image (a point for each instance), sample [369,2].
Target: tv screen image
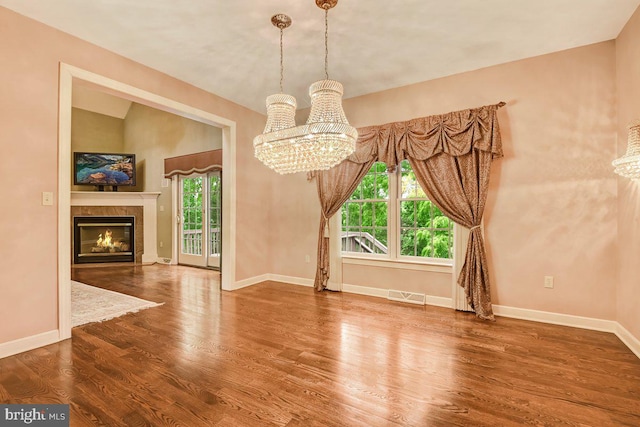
[104,169]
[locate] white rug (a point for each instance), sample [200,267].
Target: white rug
[91,304]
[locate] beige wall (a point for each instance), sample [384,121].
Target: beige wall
[154,135]
[552,206]
[628,79]
[551,209]
[94,132]
[31,55]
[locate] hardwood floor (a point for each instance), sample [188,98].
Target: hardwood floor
[282,355]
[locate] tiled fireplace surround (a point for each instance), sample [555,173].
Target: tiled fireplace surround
[142,206]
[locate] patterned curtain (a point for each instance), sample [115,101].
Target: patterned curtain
[451,155]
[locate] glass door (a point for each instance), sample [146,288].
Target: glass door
[215,218]
[200,216]
[190,216]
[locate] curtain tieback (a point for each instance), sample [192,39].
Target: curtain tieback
[326,225]
[474,227]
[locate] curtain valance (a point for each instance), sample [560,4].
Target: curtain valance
[203,162]
[454,133]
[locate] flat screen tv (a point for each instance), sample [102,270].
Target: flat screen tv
[102,169]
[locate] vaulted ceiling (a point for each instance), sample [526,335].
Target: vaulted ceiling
[230,48]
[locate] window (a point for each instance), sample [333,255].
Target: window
[389,216]
[364,215]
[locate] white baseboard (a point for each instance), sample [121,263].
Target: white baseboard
[439,301]
[629,340]
[292,280]
[272,277]
[383,293]
[365,290]
[28,343]
[250,282]
[556,318]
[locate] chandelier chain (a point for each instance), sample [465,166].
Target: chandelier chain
[281,61]
[326,43]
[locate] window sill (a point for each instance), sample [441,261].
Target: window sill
[444,267]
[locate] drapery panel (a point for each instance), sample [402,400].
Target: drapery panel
[335,186]
[451,155]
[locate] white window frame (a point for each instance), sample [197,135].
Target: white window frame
[393,258]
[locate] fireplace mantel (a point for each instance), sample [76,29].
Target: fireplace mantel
[148,201]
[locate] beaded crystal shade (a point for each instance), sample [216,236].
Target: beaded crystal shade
[324,141]
[629,164]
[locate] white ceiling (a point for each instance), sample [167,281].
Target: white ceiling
[230,48]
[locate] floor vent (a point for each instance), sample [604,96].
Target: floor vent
[410,297]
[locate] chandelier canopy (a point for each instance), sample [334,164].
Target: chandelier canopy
[325,140]
[629,164]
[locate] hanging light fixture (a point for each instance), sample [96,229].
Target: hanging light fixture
[281,110]
[325,140]
[629,164]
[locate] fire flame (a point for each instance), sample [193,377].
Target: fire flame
[105,242]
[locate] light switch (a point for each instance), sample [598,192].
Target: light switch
[47,198]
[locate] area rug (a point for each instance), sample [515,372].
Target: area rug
[91,304]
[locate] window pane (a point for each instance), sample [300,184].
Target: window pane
[380,235]
[425,230]
[382,186]
[441,244]
[423,213]
[407,213]
[409,188]
[365,215]
[424,243]
[407,242]
[353,214]
[380,213]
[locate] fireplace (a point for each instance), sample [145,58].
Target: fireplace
[103,239]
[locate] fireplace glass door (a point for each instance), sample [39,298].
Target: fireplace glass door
[103,239]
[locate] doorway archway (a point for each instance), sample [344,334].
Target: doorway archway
[70,75]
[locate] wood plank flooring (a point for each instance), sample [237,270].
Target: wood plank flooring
[282,355]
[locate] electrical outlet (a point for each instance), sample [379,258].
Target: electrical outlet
[161,244]
[307,258]
[548,281]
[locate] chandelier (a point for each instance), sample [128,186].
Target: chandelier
[629,164]
[326,139]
